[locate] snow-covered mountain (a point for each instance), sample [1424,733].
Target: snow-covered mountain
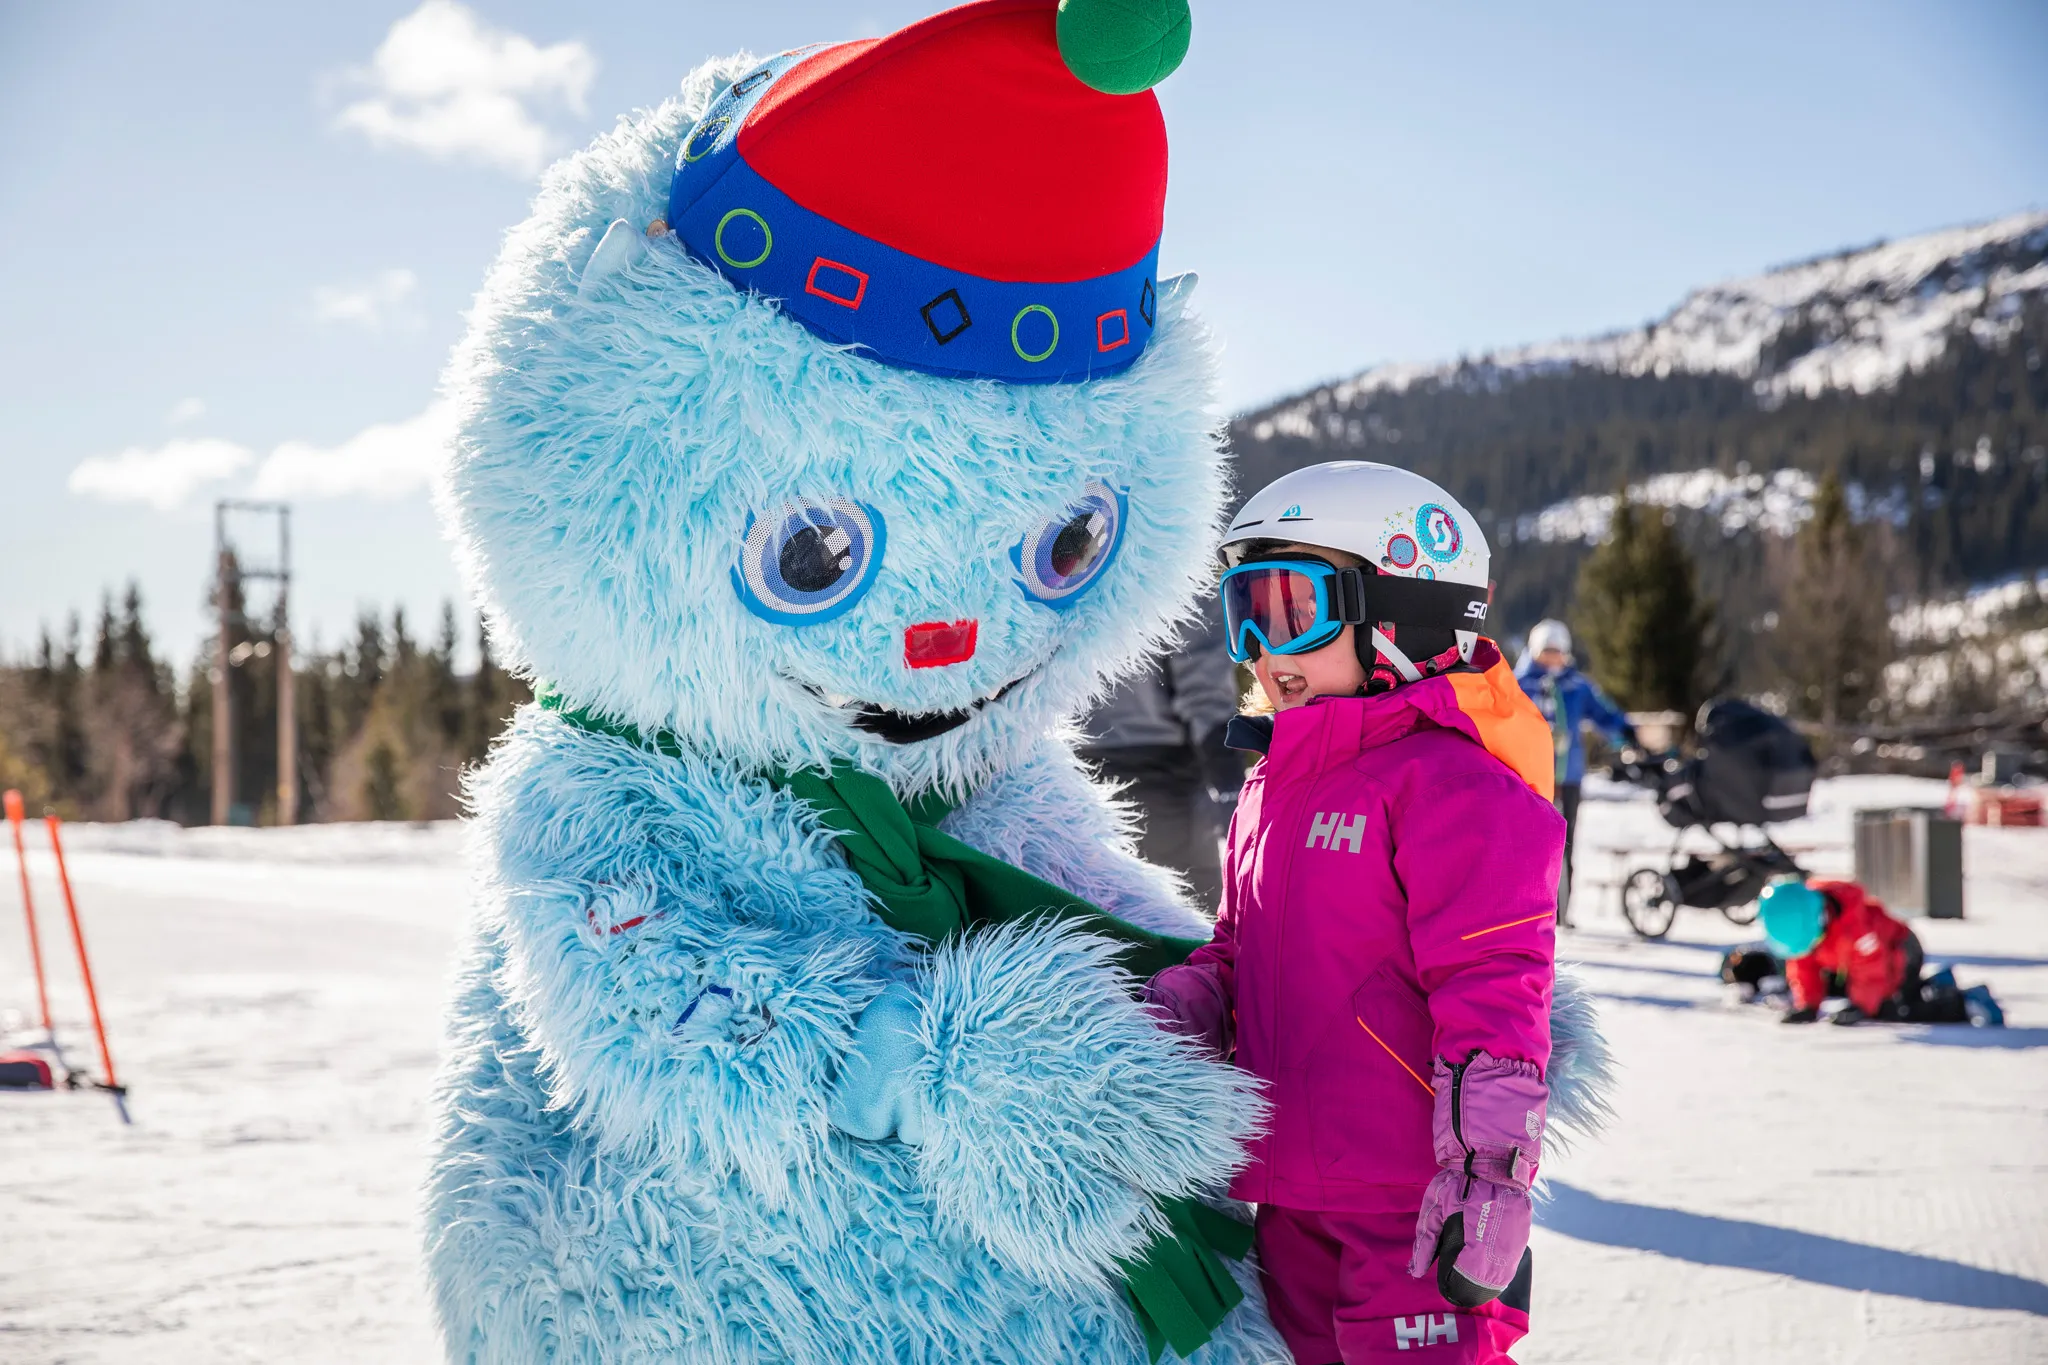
[1915,372]
[1855,320]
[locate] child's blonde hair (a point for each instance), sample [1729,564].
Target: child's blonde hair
[1254,702]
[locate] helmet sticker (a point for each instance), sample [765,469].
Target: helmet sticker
[1438,531]
[1401,552]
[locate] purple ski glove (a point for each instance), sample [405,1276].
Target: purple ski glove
[1488,1128]
[1189,1000]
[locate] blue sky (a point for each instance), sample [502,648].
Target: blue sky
[239,237]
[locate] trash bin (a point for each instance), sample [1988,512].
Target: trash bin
[2001,766]
[1912,860]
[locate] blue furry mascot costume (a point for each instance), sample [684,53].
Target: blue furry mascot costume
[827,439]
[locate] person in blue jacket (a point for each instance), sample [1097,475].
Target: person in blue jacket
[1570,701]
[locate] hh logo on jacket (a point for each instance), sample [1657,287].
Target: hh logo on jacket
[1424,1330]
[1334,830]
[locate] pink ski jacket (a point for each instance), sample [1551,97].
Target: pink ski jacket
[1389,898]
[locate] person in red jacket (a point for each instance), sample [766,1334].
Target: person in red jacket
[1836,927]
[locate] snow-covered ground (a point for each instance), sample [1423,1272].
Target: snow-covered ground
[1766,1194]
[273,1000]
[1806,1195]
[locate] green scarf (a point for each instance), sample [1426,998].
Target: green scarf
[931,885]
[928,883]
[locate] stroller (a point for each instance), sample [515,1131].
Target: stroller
[1750,770]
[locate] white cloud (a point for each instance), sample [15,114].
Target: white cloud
[385,461]
[383,301]
[388,460]
[185,410]
[163,477]
[445,83]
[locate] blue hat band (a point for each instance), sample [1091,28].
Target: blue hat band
[851,289]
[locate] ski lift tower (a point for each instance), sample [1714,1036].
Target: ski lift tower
[231,570]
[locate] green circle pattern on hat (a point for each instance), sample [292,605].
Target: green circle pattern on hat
[1123,46]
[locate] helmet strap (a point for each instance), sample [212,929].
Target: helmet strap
[1392,653]
[1388,666]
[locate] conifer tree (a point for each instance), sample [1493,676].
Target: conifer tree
[1640,618]
[130,719]
[1834,632]
[386,724]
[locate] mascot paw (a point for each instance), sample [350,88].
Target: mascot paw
[880,1093]
[1058,1110]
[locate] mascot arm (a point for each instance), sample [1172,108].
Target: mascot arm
[1048,817]
[1045,1108]
[712,1052]
[688,971]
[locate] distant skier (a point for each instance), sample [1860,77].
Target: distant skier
[1569,700]
[1827,927]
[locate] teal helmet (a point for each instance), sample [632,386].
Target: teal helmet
[1794,916]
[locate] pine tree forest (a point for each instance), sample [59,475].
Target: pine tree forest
[100,726]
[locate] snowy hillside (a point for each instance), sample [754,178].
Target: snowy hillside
[1776,504]
[1915,371]
[1979,650]
[1857,320]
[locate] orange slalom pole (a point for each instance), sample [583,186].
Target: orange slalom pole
[12,802]
[92,996]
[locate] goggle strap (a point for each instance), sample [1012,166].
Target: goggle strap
[1415,602]
[1349,590]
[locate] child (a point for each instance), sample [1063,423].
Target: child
[1384,954]
[1826,927]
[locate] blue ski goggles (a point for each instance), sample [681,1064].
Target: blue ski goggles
[1293,606]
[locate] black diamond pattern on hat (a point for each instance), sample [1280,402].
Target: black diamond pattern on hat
[748,84]
[1147,303]
[940,334]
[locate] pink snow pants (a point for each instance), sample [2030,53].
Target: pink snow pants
[1338,1288]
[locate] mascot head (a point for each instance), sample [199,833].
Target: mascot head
[835,410]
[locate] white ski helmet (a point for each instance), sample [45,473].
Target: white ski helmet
[1398,522]
[1550,634]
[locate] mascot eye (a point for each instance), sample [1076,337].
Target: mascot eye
[1065,555]
[805,562]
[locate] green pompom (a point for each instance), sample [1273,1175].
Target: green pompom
[1123,46]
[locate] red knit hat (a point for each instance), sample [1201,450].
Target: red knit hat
[952,197]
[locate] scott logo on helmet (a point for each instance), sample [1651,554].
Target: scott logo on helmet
[1439,533]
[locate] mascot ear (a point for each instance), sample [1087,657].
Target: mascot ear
[620,247]
[1174,293]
